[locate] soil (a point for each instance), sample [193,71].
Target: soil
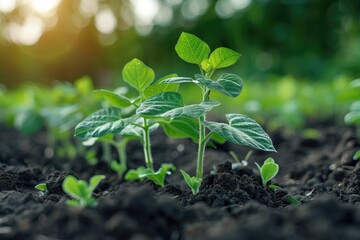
[317,171]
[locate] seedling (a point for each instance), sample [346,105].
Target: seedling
[42,187]
[193,182]
[268,171]
[353,116]
[110,121]
[356,155]
[240,129]
[81,191]
[240,163]
[157,177]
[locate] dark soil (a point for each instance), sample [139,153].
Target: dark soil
[232,204]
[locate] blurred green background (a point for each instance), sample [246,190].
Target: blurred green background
[43,40]
[298,56]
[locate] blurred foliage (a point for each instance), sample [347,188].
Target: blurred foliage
[306,39]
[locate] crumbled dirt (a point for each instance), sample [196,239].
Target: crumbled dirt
[232,203]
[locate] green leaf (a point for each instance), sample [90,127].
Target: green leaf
[41,187]
[132,131]
[94,182]
[352,117]
[133,174]
[28,122]
[62,118]
[274,187]
[103,122]
[171,105]
[71,187]
[192,49]
[114,99]
[268,171]
[193,182]
[117,167]
[269,160]
[157,177]
[242,130]
[356,155]
[229,84]
[73,203]
[178,80]
[182,128]
[138,75]
[160,87]
[293,200]
[222,58]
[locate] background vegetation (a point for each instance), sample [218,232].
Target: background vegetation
[298,56]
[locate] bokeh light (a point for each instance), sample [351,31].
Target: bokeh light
[7,6]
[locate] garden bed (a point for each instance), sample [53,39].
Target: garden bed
[318,171]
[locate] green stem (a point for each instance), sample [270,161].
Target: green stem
[106,151]
[147,145]
[201,149]
[122,154]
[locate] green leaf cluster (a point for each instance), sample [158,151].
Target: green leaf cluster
[81,191]
[353,116]
[240,129]
[193,182]
[157,177]
[159,104]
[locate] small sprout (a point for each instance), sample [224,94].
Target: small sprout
[193,182]
[42,187]
[356,155]
[157,177]
[240,163]
[81,191]
[274,187]
[293,200]
[268,170]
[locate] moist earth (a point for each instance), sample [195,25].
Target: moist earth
[319,196]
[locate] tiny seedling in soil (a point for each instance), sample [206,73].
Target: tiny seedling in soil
[42,187]
[356,155]
[268,171]
[157,177]
[240,163]
[240,129]
[81,191]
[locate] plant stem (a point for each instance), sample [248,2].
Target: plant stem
[147,145]
[106,151]
[201,149]
[121,148]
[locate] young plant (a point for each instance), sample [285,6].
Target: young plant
[81,191]
[157,177]
[110,121]
[353,116]
[42,187]
[191,120]
[268,171]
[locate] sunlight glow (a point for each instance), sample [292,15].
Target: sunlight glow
[7,6]
[44,6]
[193,9]
[28,33]
[105,21]
[145,11]
[227,8]
[165,17]
[89,7]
